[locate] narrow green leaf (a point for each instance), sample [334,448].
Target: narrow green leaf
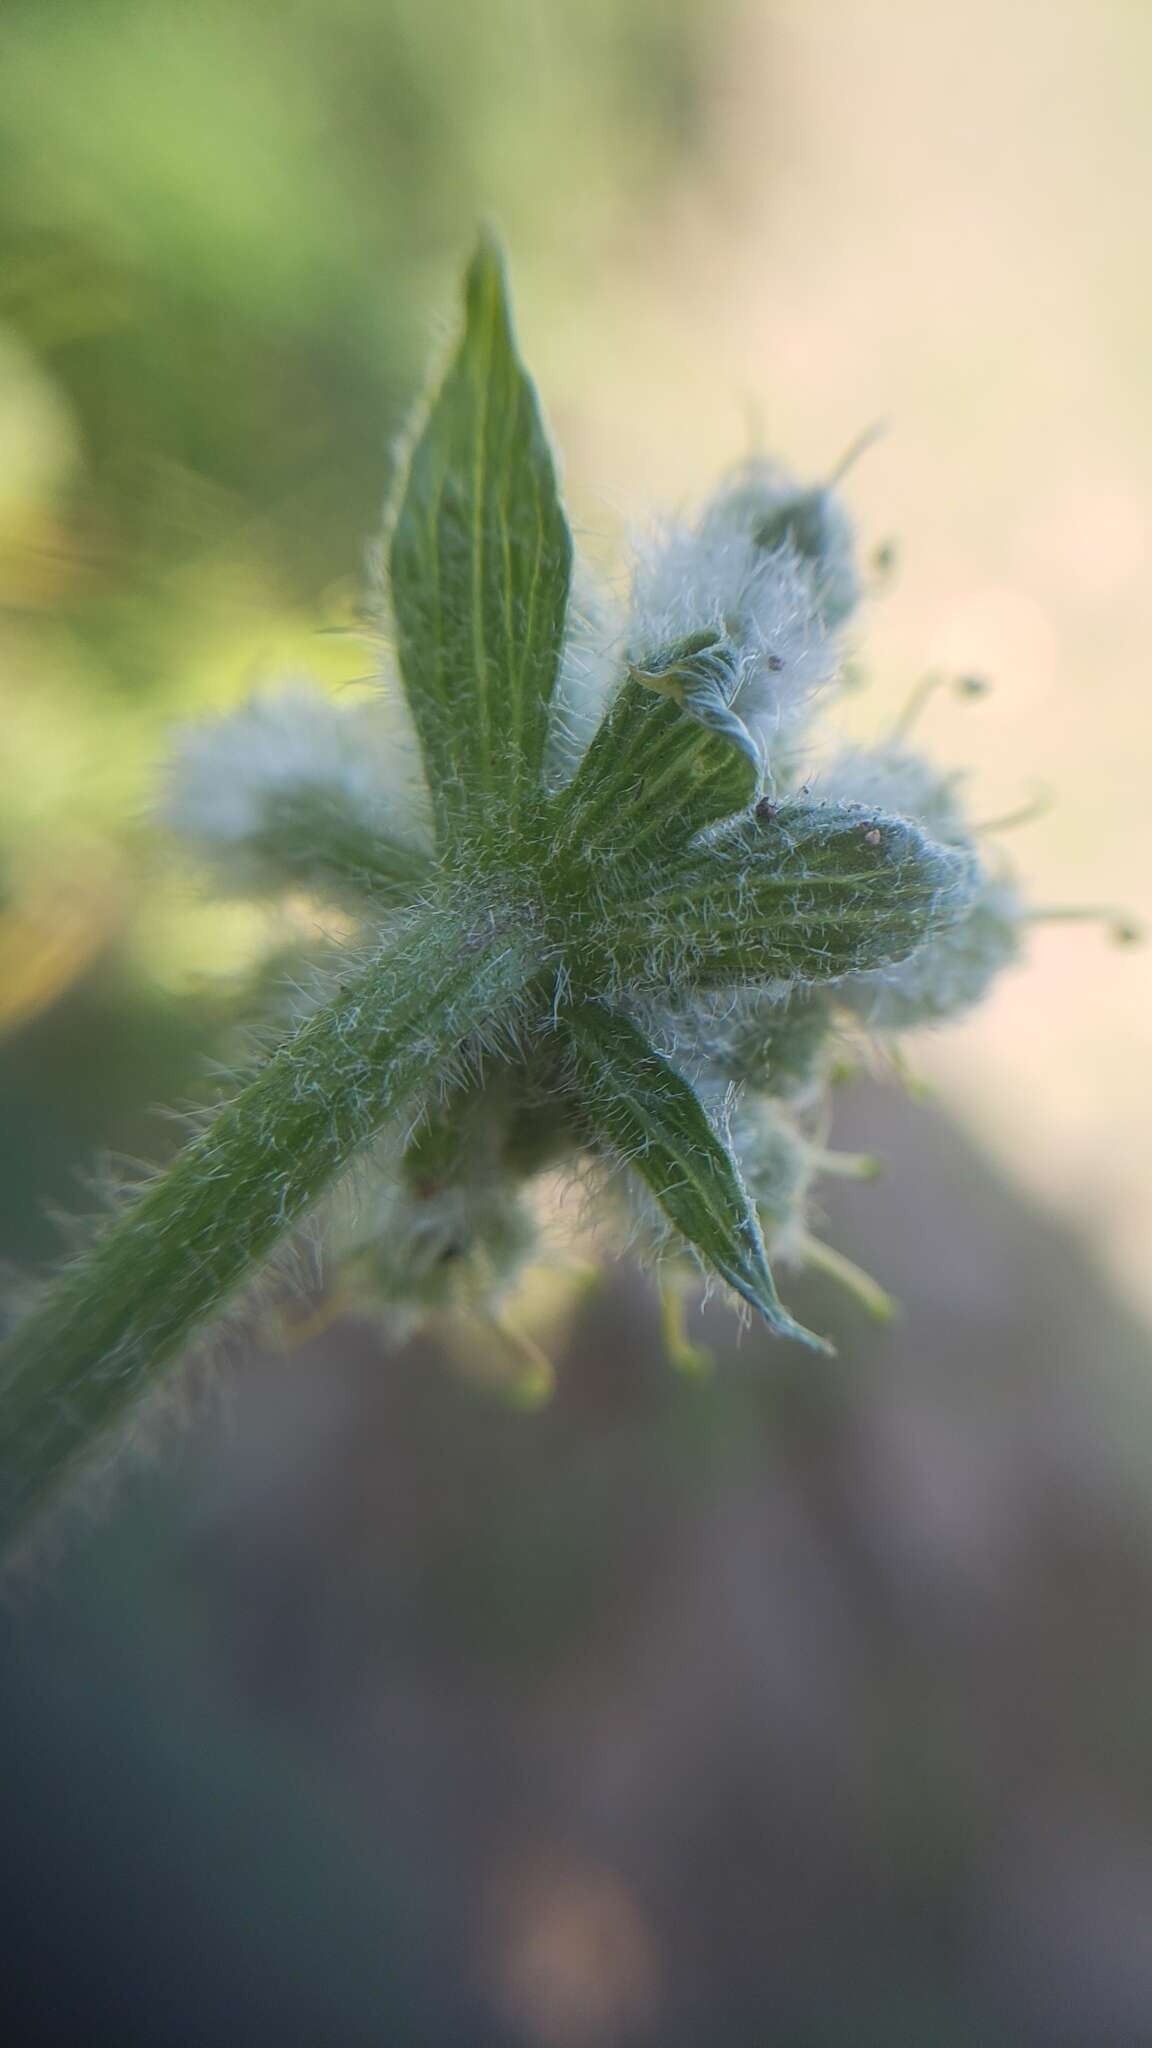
[639,1109]
[804,892]
[102,1336]
[480,560]
[669,759]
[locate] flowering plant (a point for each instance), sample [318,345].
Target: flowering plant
[622,915]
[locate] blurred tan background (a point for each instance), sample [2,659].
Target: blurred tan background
[804,1703]
[933,217]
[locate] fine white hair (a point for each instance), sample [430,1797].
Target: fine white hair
[895,780]
[763,602]
[225,775]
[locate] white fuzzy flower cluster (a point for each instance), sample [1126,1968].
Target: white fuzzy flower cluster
[770,567]
[290,765]
[771,593]
[768,503]
[422,1243]
[762,604]
[894,779]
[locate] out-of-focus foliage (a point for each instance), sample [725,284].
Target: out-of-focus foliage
[221,227]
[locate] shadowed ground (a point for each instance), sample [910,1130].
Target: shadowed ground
[806,1703]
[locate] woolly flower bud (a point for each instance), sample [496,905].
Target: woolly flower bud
[445,1223]
[262,791]
[946,975]
[891,779]
[780,1043]
[450,1246]
[953,969]
[762,603]
[765,503]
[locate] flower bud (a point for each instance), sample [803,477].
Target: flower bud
[949,973]
[764,604]
[460,1245]
[291,790]
[897,780]
[778,514]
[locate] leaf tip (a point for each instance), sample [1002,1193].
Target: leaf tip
[784,1325]
[762,1296]
[486,279]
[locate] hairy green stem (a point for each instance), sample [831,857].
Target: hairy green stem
[122,1311]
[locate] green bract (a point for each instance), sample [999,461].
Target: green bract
[546,975]
[480,563]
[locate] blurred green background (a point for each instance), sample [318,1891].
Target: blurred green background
[228,238]
[806,1704]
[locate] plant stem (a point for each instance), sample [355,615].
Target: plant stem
[121,1312]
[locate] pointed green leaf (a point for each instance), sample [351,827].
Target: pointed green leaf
[480,560]
[669,759]
[172,1259]
[798,892]
[639,1109]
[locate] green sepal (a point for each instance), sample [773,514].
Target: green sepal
[479,561]
[670,758]
[807,892]
[638,1109]
[702,675]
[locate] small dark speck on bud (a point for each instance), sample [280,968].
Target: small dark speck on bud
[775,662]
[767,810]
